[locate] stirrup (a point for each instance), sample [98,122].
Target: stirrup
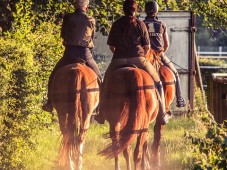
[166,117]
[181,102]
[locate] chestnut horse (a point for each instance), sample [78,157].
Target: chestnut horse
[168,79]
[130,106]
[75,95]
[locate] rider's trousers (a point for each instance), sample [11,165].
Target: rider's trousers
[166,61]
[72,55]
[140,62]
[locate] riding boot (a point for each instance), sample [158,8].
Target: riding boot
[180,100]
[100,117]
[164,116]
[48,107]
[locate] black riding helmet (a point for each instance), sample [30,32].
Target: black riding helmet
[151,7]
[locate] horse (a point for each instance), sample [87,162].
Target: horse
[75,95]
[130,106]
[168,79]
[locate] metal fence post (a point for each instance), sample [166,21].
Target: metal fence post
[220,50]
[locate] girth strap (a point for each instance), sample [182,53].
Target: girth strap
[146,87]
[88,90]
[168,83]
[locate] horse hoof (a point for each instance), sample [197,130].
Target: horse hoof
[165,118]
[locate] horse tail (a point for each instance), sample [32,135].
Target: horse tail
[134,115]
[72,124]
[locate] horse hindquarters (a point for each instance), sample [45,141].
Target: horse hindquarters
[73,104]
[133,104]
[168,80]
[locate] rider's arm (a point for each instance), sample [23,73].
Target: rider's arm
[165,41]
[146,49]
[64,25]
[112,38]
[112,48]
[93,25]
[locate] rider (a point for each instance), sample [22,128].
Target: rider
[129,41]
[159,43]
[77,31]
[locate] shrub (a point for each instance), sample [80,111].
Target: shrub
[209,148]
[27,55]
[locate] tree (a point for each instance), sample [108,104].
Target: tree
[214,12]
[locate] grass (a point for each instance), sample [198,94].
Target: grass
[176,150]
[44,156]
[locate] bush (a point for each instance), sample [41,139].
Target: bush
[27,55]
[209,151]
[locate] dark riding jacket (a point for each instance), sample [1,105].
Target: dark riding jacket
[128,46]
[78,29]
[156,30]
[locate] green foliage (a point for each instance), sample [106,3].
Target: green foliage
[212,62]
[207,73]
[211,37]
[105,11]
[209,149]
[214,12]
[27,55]
[28,52]
[42,9]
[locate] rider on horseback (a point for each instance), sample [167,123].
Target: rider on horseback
[77,31]
[159,43]
[129,41]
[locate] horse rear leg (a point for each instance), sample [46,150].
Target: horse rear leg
[117,165]
[169,96]
[80,145]
[81,139]
[139,149]
[127,154]
[146,157]
[156,143]
[114,134]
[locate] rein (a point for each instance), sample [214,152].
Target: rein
[179,66]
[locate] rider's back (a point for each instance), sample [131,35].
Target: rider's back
[156,30]
[128,42]
[78,29]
